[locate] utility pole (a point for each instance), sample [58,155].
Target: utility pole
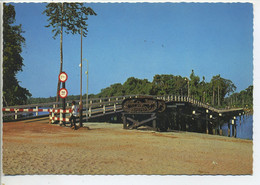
[87,91]
[81,105]
[218,96]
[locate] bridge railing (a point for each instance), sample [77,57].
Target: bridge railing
[95,106]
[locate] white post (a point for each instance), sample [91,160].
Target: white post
[89,111]
[60,117]
[16,116]
[37,110]
[52,114]
[104,109]
[114,107]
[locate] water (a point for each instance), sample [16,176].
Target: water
[39,113]
[244,129]
[42,113]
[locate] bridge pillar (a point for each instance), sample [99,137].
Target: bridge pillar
[234,128]
[229,128]
[220,128]
[154,125]
[124,121]
[207,121]
[179,121]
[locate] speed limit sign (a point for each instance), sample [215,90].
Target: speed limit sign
[63,93]
[63,77]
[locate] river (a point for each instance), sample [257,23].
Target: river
[244,128]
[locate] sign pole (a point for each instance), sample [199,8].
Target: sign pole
[63,104]
[63,93]
[81,105]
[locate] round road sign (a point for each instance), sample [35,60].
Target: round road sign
[63,93]
[63,77]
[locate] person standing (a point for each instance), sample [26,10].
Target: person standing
[73,115]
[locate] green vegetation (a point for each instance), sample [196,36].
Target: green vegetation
[242,99]
[215,93]
[13,93]
[72,18]
[212,92]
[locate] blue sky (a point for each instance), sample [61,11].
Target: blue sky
[140,40]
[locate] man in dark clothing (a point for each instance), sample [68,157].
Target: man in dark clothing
[73,115]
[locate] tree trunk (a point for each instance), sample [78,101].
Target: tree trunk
[213,98]
[218,97]
[61,56]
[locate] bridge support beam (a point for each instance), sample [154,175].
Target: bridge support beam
[135,120]
[229,134]
[207,122]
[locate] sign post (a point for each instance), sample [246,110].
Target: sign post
[63,93]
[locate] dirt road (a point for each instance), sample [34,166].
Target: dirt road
[41,148]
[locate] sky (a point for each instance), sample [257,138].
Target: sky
[139,40]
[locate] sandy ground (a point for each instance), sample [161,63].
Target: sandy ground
[31,147]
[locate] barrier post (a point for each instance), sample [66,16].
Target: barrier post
[15,116]
[52,114]
[89,113]
[104,109]
[37,113]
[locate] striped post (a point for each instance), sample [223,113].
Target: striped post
[50,118]
[53,113]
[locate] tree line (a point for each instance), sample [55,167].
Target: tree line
[218,92]
[214,92]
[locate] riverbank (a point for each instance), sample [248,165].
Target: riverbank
[41,148]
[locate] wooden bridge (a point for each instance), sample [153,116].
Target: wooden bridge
[184,113]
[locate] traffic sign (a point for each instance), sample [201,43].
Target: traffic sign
[63,77]
[63,93]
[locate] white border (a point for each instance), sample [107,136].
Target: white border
[121,179]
